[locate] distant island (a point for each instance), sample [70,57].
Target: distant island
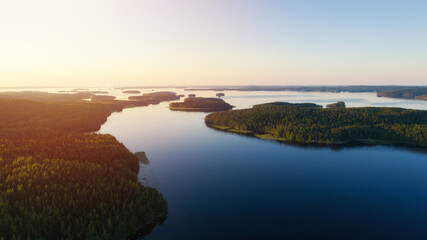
[201,105]
[353,88]
[131,92]
[315,125]
[102,98]
[157,96]
[408,93]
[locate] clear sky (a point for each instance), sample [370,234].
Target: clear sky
[207,42]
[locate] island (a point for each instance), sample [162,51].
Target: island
[422,97]
[94,92]
[59,180]
[336,105]
[102,98]
[157,96]
[314,125]
[200,104]
[220,94]
[131,92]
[419,93]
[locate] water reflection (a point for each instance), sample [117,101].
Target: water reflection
[335,147]
[227,186]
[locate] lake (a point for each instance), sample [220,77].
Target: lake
[223,185]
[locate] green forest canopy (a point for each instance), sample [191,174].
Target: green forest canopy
[58,182]
[201,104]
[288,122]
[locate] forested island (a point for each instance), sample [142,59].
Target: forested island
[102,98]
[408,93]
[157,96]
[201,105]
[131,92]
[58,181]
[336,105]
[316,125]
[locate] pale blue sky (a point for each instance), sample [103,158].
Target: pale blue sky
[205,42]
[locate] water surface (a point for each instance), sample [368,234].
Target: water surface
[222,185]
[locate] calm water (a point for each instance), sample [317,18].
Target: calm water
[226,186]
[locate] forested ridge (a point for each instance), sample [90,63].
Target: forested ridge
[327,126]
[58,182]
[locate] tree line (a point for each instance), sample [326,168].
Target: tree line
[319,125]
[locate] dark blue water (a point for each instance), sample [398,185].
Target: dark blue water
[226,186]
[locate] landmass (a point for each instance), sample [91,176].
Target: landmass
[307,105]
[131,91]
[142,157]
[355,88]
[314,125]
[45,96]
[200,104]
[137,101]
[102,98]
[421,97]
[336,105]
[157,96]
[58,180]
[408,93]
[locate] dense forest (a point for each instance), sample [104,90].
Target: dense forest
[201,104]
[283,121]
[410,93]
[59,182]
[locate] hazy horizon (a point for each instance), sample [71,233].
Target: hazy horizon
[204,86]
[212,43]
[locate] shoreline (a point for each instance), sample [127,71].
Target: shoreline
[356,142]
[198,109]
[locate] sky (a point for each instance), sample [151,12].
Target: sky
[206,42]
